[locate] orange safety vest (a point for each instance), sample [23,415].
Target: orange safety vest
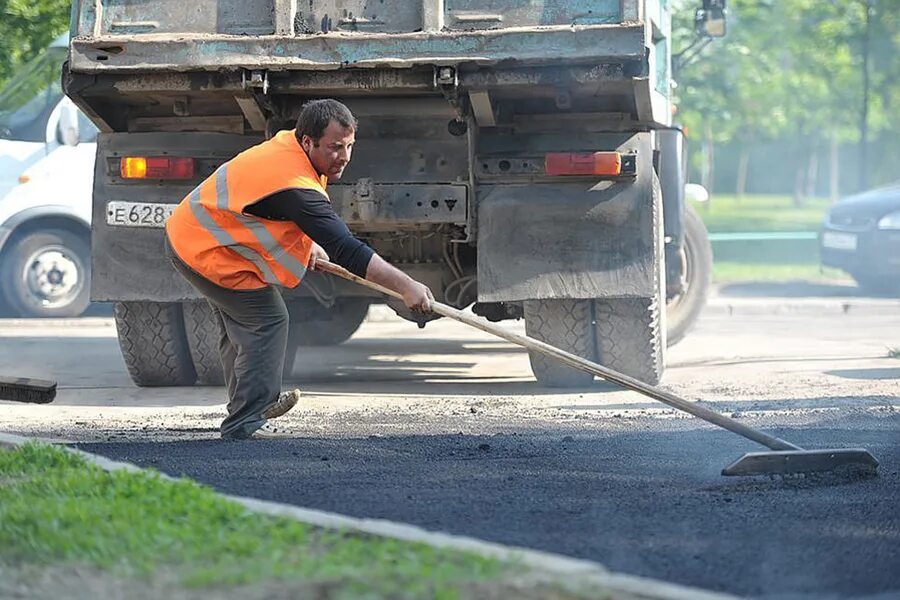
[210,232]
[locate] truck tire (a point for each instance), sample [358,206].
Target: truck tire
[153,344]
[348,315]
[47,273]
[630,332]
[203,342]
[568,325]
[628,339]
[683,310]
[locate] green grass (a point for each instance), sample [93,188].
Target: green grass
[724,213]
[766,260]
[728,271]
[57,509]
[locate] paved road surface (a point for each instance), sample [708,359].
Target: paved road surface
[649,503]
[445,429]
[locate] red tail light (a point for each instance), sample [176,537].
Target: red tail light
[157,167]
[590,163]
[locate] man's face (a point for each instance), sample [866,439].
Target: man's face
[330,154]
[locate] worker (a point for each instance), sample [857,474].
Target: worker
[257,224]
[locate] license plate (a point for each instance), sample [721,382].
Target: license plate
[138,214]
[839,241]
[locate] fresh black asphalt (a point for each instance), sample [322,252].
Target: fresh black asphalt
[647,502]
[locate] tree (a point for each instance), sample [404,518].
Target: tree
[807,74]
[26,28]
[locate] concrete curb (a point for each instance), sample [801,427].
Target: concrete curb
[587,571]
[805,306]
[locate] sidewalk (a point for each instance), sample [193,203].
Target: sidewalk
[802,297]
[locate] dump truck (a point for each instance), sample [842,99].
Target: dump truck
[518,157]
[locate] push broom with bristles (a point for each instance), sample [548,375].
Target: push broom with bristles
[26,389]
[783,459]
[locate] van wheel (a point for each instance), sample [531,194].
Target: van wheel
[47,274]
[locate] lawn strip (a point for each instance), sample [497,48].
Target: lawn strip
[58,511]
[767,213]
[733,271]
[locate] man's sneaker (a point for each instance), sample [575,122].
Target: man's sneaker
[285,402]
[269,432]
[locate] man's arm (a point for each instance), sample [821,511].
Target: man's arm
[416,296]
[314,214]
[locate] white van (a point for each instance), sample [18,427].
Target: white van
[47,150]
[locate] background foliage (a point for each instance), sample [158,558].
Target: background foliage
[26,28]
[778,106]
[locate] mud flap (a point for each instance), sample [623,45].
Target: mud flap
[569,240]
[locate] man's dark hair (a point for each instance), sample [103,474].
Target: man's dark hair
[316,115]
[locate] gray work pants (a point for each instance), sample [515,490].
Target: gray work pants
[253,332]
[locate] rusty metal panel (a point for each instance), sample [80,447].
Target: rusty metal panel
[406,150]
[381,16]
[631,10]
[374,206]
[177,16]
[83,18]
[342,50]
[477,14]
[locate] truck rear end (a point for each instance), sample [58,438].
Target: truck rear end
[515,156]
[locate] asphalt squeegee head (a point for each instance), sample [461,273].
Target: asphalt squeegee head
[26,389]
[783,458]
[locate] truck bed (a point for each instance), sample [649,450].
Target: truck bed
[228,65]
[215,52]
[171,35]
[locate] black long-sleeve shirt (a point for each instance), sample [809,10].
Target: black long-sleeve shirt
[316,217]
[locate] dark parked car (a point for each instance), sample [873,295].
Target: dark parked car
[861,235]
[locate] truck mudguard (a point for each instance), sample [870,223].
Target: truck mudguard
[584,239]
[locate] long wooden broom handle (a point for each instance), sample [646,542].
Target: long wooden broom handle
[625,381]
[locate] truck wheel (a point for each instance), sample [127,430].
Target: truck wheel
[347,315]
[631,332]
[153,343]
[568,325]
[628,337]
[683,310]
[47,274]
[203,342]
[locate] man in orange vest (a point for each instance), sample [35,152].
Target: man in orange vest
[258,223]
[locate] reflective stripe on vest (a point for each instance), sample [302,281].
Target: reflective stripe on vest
[259,231]
[211,233]
[225,238]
